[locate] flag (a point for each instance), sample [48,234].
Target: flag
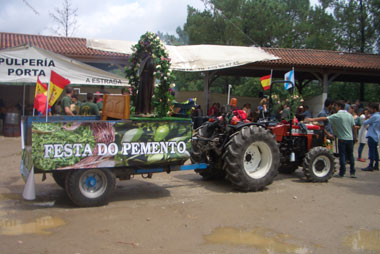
[40,89]
[289,76]
[40,103]
[265,82]
[57,84]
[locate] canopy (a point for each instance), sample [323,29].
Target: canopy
[194,57]
[25,63]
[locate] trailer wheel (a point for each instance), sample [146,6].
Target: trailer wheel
[90,187]
[60,178]
[318,165]
[199,155]
[251,159]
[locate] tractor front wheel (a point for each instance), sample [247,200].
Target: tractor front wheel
[318,165]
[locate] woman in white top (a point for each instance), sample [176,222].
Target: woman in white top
[362,133]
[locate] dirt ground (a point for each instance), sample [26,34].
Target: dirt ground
[181,213]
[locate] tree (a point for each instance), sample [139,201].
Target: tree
[355,29]
[65,19]
[181,39]
[321,30]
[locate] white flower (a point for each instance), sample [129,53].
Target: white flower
[172,85]
[158,66]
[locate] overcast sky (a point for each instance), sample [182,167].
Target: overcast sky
[100,19]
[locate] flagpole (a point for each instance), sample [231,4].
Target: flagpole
[270,93]
[294,85]
[23,102]
[34,109]
[47,100]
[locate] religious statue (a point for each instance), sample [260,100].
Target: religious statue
[145,90]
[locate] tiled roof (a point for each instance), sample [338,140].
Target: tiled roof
[325,59]
[67,46]
[76,47]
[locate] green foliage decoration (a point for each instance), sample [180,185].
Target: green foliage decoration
[292,99]
[162,97]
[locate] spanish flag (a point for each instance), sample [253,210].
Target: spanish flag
[265,82]
[57,84]
[40,89]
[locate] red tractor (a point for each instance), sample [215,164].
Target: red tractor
[250,154]
[303,145]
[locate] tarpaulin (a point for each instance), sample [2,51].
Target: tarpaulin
[194,57]
[23,65]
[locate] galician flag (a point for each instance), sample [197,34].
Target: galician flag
[265,82]
[40,89]
[289,76]
[57,84]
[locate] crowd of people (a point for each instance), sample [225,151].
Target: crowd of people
[343,123]
[262,111]
[351,124]
[70,104]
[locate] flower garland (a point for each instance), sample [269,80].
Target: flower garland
[162,97]
[292,100]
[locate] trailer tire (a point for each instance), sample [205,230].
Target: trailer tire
[251,159]
[60,178]
[90,187]
[319,165]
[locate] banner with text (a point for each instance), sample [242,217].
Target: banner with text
[59,146]
[24,64]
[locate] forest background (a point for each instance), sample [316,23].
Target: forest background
[351,26]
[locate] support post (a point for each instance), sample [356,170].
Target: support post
[206,80]
[325,87]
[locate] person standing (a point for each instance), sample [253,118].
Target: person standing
[67,101]
[263,109]
[74,107]
[362,134]
[102,90]
[306,113]
[343,125]
[89,108]
[373,136]
[212,110]
[99,100]
[325,112]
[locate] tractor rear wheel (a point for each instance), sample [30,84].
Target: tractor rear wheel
[251,158]
[319,165]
